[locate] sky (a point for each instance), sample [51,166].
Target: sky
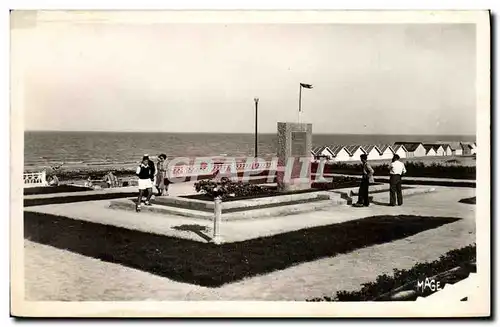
[367,78]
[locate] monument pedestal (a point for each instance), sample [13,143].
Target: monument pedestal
[294,156]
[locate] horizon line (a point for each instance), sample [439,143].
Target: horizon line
[235,133]
[225,133]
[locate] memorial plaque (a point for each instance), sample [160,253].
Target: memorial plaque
[299,144]
[294,141]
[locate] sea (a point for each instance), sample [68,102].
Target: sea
[42,149]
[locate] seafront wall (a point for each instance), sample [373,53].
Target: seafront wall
[181,171]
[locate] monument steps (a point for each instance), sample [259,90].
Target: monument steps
[350,195]
[246,203]
[275,211]
[129,205]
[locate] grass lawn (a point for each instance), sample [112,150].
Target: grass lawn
[54,189]
[77,198]
[469,200]
[450,268]
[212,265]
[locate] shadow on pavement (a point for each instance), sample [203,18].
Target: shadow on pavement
[195,228]
[212,265]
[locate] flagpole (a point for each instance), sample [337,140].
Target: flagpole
[256,100]
[300,101]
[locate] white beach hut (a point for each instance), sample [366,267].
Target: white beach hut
[467,148]
[322,152]
[429,150]
[447,149]
[355,151]
[414,149]
[372,152]
[400,150]
[439,149]
[456,148]
[474,148]
[339,153]
[386,151]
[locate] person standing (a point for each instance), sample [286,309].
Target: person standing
[366,179]
[161,180]
[88,183]
[152,167]
[149,192]
[53,180]
[145,172]
[398,169]
[111,179]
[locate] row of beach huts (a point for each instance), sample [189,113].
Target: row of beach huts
[386,151]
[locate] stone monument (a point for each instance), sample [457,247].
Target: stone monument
[294,153]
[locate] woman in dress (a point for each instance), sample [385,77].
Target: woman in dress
[161,174]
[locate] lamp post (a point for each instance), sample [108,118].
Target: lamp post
[217,238]
[256,100]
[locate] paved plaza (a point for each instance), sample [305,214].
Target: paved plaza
[57,274]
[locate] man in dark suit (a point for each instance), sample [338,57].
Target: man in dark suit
[367,178]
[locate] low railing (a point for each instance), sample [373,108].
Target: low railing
[265,170]
[40,179]
[185,170]
[35,179]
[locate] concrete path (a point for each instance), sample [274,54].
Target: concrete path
[240,230]
[175,189]
[422,179]
[54,274]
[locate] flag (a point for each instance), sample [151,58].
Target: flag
[307,86]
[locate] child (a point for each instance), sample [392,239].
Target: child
[145,172]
